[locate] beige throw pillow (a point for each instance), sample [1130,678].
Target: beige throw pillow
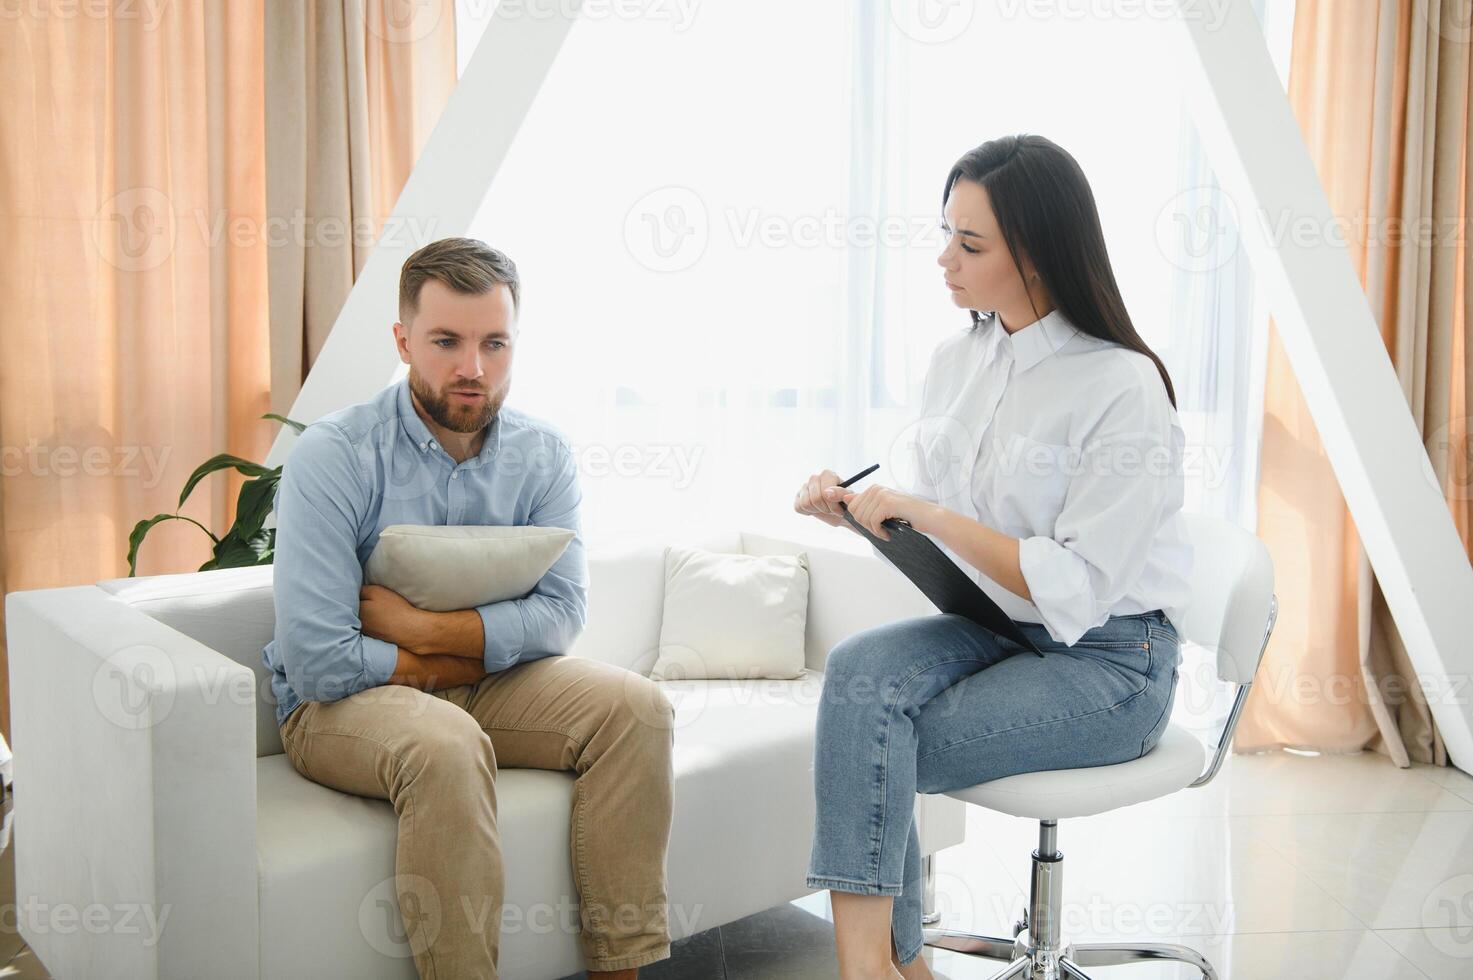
[441,568]
[732,616]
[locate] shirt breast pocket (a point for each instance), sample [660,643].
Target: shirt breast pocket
[1031,481]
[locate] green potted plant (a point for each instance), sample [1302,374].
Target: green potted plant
[247,542]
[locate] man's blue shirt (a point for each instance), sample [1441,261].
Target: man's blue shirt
[360,469]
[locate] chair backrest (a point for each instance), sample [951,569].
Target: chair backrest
[1232,595]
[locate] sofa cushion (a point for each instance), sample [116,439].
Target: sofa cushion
[742,761]
[732,616]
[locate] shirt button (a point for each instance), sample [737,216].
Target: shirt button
[454,476]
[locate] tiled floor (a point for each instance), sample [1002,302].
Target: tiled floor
[1285,866]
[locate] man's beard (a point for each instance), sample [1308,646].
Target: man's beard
[452,415]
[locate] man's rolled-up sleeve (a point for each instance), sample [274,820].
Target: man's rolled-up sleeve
[320,503]
[547,620]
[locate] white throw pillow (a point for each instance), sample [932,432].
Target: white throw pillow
[732,616]
[441,568]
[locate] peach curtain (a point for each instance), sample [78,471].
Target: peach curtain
[139,333]
[1382,92]
[352,92]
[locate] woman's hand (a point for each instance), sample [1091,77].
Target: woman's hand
[811,499]
[874,505]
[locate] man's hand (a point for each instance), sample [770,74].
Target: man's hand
[434,673]
[389,616]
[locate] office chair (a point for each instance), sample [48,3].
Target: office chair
[1232,611]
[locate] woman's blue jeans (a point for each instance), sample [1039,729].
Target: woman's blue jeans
[939,703]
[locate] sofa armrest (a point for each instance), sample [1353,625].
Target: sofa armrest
[135,775]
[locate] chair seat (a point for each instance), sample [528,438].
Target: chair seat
[1175,762]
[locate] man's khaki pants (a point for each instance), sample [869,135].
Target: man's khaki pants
[435,756]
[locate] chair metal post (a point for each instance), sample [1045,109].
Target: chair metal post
[929,915]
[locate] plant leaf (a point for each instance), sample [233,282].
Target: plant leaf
[223,461]
[235,551]
[141,529]
[299,426]
[256,499]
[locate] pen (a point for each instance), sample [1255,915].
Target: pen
[861,474]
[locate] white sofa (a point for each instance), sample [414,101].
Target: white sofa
[161,832]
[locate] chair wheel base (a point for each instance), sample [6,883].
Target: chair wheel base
[1027,962]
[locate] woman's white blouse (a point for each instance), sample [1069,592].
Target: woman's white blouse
[1069,443]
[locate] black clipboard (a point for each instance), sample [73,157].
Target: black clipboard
[938,578]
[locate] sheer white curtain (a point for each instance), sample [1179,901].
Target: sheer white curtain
[676,205]
[726,216]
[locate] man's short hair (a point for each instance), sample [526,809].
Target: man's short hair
[466,265]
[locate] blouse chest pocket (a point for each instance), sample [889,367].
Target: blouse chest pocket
[1028,481]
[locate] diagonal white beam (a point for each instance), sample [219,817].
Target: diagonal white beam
[439,200]
[1338,356]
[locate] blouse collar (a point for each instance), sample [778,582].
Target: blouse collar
[1036,341]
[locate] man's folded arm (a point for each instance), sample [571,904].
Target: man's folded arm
[547,620]
[320,504]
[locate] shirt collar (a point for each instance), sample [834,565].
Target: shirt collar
[1036,341]
[424,440]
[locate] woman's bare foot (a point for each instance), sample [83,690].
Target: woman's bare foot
[916,969]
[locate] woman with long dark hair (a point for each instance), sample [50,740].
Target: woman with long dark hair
[1047,464]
